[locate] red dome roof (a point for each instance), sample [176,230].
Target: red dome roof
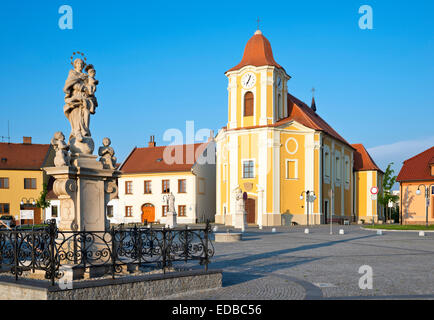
[257,53]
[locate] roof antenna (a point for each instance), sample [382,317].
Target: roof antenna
[8,136]
[313,105]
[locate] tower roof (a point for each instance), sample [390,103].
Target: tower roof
[257,53]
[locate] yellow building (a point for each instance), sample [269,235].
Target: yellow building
[367,177]
[275,148]
[21,176]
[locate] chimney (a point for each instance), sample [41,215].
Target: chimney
[151,142]
[27,140]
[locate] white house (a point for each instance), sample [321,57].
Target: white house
[151,173]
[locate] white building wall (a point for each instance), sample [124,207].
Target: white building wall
[49,211]
[138,198]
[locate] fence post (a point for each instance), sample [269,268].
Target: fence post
[52,232]
[113,235]
[164,250]
[208,227]
[16,254]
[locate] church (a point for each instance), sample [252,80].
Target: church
[291,165]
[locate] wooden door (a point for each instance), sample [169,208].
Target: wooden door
[148,212]
[251,210]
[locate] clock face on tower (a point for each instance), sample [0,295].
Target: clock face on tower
[248,80]
[279,83]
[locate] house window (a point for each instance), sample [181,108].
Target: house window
[164,210]
[248,104]
[110,211]
[4,208]
[147,187]
[182,211]
[29,183]
[128,211]
[182,186]
[54,211]
[165,185]
[128,187]
[291,169]
[4,183]
[248,169]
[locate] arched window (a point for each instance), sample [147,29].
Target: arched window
[279,106]
[248,104]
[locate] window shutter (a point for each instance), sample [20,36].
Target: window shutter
[248,104]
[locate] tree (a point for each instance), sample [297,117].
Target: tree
[42,202]
[385,196]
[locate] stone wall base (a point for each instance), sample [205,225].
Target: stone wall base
[125,288]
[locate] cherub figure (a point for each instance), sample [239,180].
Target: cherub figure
[91,84]
[62,157]
[106,154]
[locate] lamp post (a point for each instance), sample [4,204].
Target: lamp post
[427,189]
[25,201]
[310,197]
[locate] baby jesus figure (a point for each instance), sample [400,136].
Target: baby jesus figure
[91,84]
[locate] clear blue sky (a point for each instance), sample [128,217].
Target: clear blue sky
[160,65]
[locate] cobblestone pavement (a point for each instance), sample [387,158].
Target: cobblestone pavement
[289,264]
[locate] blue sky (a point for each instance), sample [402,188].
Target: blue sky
[161,65]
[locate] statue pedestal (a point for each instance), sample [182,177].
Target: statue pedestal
[170,220]
[240,220]
[84,189]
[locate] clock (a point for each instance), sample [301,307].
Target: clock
[279,83]
[248,80]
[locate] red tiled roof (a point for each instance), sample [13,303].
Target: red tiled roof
[257,53]
[152,159]
[417,167]
[23,156]
[363,160]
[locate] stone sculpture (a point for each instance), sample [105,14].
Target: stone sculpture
[106,154]
[80,102]
[62,157]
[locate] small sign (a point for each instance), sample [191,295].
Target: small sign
[26,214]
[374,190]
[373,197]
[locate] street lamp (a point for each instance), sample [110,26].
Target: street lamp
[427,189]
[28,201]
[310,197]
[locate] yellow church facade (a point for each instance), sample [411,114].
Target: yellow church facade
[276,148]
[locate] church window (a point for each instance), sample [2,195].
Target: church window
[327,162]
[338,168]
[279,106]
[248,104]
[291,169]
[248,169]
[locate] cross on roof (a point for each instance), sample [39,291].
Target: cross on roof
[258,22]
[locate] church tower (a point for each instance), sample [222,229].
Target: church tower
[257,87]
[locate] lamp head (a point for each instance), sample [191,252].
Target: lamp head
[418,191]
[301,197]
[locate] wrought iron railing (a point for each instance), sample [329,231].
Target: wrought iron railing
[48,249]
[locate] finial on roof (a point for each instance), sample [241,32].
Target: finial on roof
[313,105]
[258,31]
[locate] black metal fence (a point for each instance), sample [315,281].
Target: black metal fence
[48,249]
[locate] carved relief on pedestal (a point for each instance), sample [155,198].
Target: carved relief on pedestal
[65,187]
[91,208]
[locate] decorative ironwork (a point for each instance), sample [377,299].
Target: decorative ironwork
[48,248]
